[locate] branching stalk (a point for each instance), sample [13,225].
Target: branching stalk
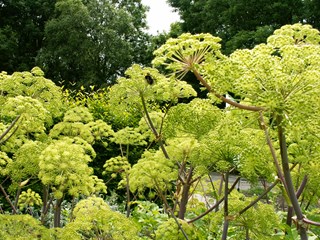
[221,97]
[185,194]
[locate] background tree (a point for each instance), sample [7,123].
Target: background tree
[93,42]
[88,42]
[21,32]
[241,24]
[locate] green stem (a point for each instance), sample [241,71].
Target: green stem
[153,129]
[128,195]
[17,197]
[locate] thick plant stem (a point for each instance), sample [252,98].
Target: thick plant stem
[298,194]
[17,197]
[57,213]
[225,208]
[185,194]
[247,234]
[287,175]
[127,185]
[45,205]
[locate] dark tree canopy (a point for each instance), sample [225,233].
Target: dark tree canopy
[243,23]
[21,32]
[93,42]
[82,42]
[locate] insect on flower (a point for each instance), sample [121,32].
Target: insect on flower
[149,79]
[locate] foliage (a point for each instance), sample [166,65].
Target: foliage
[29,198]
[153,171]
[128,91]
[34,101]
[92,42]
[21,32]
[170,230]
[149,216]
[26,163]
[199,117]
[64,167]
[4,161]
[182,141]
[94,219]
[116,165]
[241,24]
[21,227]
[128,136]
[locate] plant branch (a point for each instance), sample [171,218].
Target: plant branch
[8,129]
[216,204]
[8,199]
[221,97]
[272,150]
[260,197]
[185,194]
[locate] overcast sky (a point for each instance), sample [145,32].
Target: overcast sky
[160,16]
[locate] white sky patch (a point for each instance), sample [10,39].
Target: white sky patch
[160,16]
